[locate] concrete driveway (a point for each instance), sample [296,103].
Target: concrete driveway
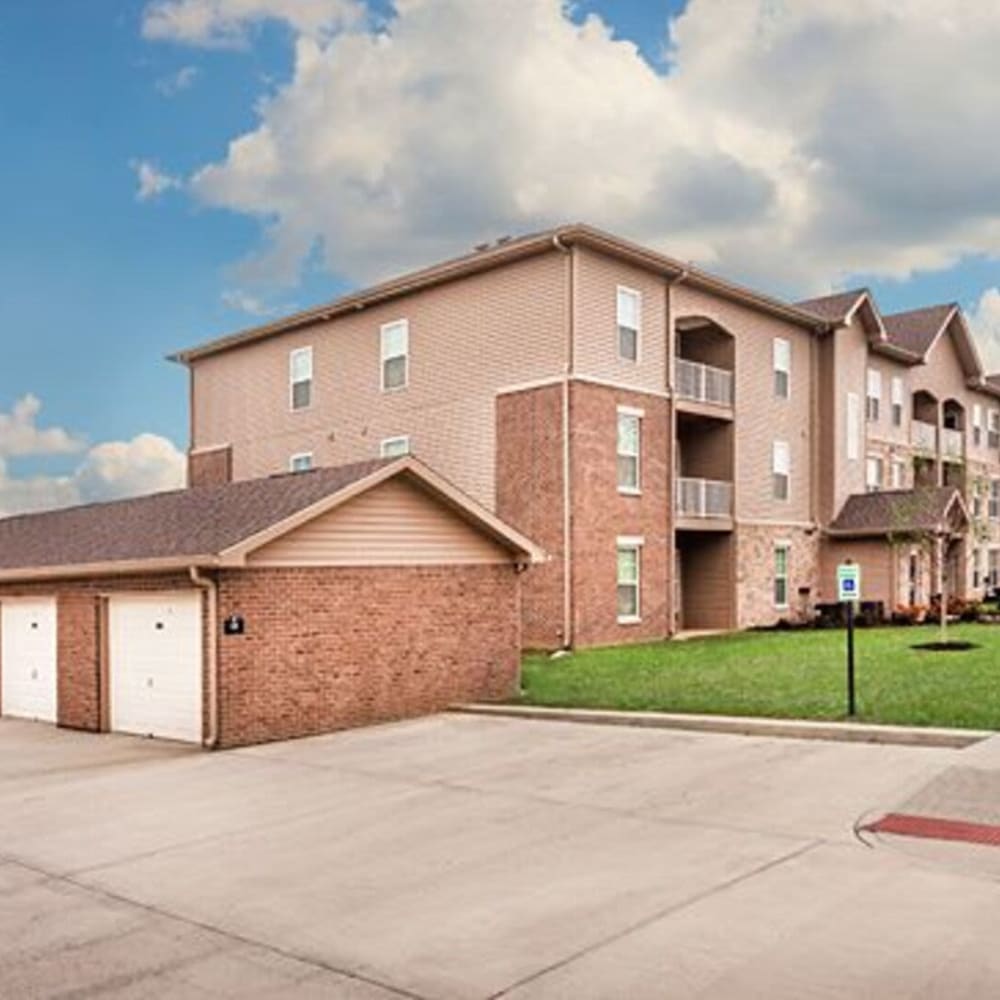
[472,857]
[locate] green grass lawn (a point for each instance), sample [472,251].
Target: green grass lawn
[785,674]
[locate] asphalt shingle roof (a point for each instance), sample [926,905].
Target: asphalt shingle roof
[833,308]
[895,511]
[914,331]
[194,522]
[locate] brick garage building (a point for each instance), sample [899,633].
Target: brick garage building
[261,610]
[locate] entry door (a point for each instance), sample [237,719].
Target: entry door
[28,658]
[155,665]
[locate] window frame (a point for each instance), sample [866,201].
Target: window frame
[873,396]
[898,474]
[633,414]
[780,447]
[977,424]
[897,400]
[629,543]
[625,290]
[293,354]
[385,358]
[852,416]
[784,578]
[308,455]
[393,440]
[993,500]
[781,364]
[876,462]
[993,429]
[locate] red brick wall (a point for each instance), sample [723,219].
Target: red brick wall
[78,638]
[601,514]
[329,649]
[529,485]
[210,467]
[530,496]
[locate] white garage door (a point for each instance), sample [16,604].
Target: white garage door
[28,658]
[155,665]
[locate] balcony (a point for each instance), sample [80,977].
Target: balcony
[704,498]
[952,444]
[923,436]
[701,383]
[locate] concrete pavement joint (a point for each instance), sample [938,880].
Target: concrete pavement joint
[660,915]
[286,953]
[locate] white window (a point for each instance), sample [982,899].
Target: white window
[395,339]
[300,378]
[853,426]
[781,558]
[873,401]
[629,597]
[976,501]
[993,435]
[629,446]
[897,401]
[394,447]
[994,509]
[874,472]
[782,357]
[978,568]
[898,474]
[302,462]
[781,468]
[994,568]
[977,424]
[629,309]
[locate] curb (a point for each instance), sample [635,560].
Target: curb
[797,729]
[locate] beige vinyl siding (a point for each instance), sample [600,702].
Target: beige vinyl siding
[598,278]
[760,418]
[466,339]
[395,524]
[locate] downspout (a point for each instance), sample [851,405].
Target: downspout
[567,490]
[211,590]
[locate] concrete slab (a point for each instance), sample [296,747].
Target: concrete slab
[470,857]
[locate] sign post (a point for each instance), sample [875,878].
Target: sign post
[849,592]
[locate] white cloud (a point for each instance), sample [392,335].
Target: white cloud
[791,144]
[20,434]
[984,320]
[175,83]
[152,182]
[146,464]
[225,23]
[243,302]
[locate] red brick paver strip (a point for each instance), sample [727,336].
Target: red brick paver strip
[935,828]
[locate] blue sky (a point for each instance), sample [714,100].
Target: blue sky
[99,284]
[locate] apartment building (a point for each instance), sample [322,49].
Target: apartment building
[690,453]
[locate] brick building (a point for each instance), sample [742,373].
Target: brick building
[682,447]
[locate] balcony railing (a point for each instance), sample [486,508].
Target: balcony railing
[952,443]
[703,383]
[923,435]
[704,498]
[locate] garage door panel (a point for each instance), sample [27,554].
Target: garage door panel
[156,665]
[28,659]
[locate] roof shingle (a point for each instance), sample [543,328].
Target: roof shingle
[833,308]
[914,331]
[195,522]
[894,511]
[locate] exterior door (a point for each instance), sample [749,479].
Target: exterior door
[28,659]
[155,665]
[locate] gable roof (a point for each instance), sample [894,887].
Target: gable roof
[213,525]
[898,512]
[502,252]
[835,308]
[915,331]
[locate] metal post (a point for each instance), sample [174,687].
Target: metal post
[851,706]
